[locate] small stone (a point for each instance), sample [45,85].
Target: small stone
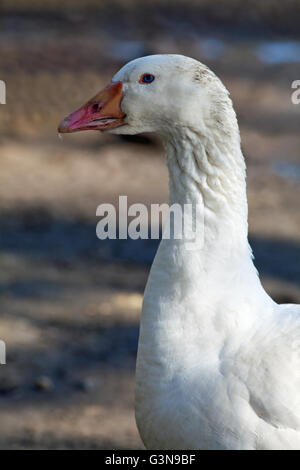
[43,384]
[85,385]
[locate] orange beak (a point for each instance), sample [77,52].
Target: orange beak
[102,112]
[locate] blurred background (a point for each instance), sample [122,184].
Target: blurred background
[69,303]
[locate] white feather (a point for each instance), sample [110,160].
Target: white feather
[218,360]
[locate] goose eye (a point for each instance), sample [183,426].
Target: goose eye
[147,78]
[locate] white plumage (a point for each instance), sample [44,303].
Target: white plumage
[218,360]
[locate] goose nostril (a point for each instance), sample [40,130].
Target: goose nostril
[96,107]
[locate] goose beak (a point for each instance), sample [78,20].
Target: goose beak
[102,112]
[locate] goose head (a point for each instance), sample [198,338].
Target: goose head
[157,93]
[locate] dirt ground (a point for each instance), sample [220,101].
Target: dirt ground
[69,303]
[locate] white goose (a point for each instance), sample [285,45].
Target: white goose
[218,362]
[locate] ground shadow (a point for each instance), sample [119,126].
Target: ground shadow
[38,235]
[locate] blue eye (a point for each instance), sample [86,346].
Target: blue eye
[147,78]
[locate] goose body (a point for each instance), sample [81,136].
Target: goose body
[218,363]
